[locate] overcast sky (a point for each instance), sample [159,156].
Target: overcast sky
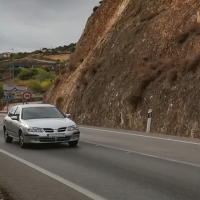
[28,25]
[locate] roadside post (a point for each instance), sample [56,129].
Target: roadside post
[149,115]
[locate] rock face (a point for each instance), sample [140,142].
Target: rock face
[134,55]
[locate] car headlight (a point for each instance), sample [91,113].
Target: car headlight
[35,129]
[72,128]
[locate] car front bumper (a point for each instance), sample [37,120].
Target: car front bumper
[45,139]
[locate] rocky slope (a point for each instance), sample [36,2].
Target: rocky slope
[134,55]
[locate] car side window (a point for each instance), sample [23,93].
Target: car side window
[17,111]
[12,111]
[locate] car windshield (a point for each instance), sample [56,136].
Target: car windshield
[41,112]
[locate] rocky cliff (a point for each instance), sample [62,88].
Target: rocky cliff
[134,55]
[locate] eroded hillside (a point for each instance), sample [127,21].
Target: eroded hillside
[134,55]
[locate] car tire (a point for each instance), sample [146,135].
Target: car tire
[7,138]
[21,140]
[73,143]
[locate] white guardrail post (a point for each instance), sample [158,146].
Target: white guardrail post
[149,121]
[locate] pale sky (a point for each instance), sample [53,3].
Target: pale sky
[28,25]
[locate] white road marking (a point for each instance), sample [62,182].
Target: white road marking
[145,136]
[143,154]
[54,176]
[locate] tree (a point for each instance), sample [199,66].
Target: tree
[25,74]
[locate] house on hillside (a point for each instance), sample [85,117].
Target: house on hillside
[5,55]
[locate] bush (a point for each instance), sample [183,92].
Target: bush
[72,49]
[45,85]
[81,60]
[95,8]
[44,75]
[34,86]
[25,74]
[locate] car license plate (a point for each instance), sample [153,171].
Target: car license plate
[56,135]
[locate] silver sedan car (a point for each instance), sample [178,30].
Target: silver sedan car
[39,123]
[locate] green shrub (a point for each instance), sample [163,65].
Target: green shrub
[72,49]
[81,60]
[45,85]
[25,74]
[44,75]
[34,86]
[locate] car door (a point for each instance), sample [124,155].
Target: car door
[8,121]
[14,125]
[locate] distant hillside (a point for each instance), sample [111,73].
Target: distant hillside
[59,53]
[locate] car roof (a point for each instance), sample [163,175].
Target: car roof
[34,105]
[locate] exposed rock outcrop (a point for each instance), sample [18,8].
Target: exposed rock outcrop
[134,55]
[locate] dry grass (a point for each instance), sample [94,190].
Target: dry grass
[146,74]
[61,57]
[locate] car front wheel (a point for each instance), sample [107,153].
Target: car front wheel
[73,143]
[21,140]
[7,138]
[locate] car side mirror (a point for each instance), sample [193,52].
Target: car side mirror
[68,116]
[14,117]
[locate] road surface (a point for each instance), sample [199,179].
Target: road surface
[107,164]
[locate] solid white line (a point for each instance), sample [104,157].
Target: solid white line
[145,136]
[54,176]
[142,154]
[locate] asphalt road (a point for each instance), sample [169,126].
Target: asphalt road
[107,164]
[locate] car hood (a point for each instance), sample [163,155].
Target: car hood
[53,123]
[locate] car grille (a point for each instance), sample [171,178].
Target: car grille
[63,129]
[48,130]
[58,139]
